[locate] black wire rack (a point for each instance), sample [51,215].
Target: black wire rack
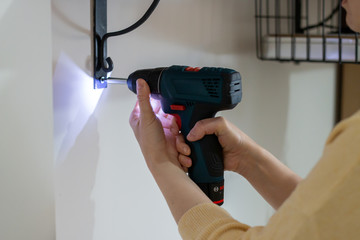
[304,31]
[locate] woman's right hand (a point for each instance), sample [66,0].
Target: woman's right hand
[271,178]
[239,150]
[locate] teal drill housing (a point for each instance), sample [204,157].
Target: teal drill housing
[192,94]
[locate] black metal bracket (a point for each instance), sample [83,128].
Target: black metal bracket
[100,47]
[103,65]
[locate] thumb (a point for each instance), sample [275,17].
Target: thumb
[143,92]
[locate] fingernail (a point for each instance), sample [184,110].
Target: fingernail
[189,162]
[190,135]
[186,150]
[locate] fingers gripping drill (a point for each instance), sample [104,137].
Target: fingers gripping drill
[193,94]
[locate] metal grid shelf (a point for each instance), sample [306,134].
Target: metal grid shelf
[304,30]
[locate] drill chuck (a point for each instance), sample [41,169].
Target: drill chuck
[151,76]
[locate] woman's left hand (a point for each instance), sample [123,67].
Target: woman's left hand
[151,127]
[156,133]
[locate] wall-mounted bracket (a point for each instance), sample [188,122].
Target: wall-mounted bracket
[103,65]
[100,52]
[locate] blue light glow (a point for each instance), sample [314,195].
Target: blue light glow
[75,100]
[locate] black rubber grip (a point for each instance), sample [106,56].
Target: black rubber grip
[213,155]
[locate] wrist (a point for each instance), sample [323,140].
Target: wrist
[256,164]
[271,178]
[158,163]
[248,162]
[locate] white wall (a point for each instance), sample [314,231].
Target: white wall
[103,188]
[26,121]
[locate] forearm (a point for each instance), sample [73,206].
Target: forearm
[158,146]
[180,192]
[271,178]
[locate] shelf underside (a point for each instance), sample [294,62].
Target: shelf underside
[310,48]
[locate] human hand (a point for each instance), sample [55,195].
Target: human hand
[152,130]
[151,127]
[272,179]
[239,150]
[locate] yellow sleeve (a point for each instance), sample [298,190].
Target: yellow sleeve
[325,205]
[209,221]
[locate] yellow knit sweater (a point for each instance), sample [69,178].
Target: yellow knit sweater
[325,205]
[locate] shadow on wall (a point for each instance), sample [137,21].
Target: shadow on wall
[76,141]
[4,7]
[84,32]
[74,185]
[68,21]
[188,23]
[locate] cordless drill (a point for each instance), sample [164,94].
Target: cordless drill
[192,94]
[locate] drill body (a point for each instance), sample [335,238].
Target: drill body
[190,95]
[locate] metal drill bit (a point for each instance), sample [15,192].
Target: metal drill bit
[122,81]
